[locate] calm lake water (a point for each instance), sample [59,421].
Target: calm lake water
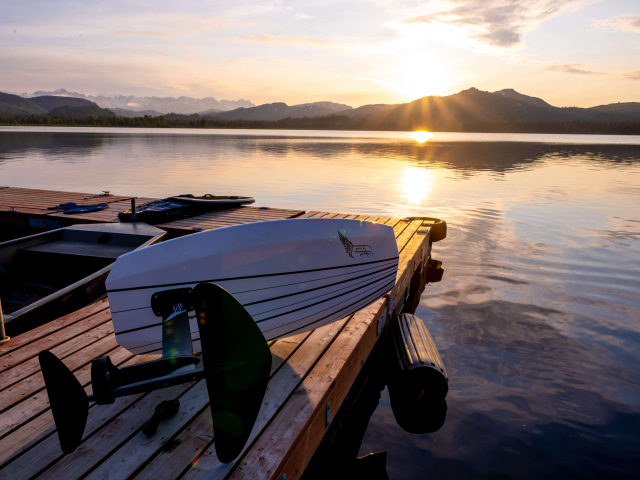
[537,317]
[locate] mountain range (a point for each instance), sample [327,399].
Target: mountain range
[442,113]
[50,105]
[162,105]
[473,106]
[452,112]
[278,111]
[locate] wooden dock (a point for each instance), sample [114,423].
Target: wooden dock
[27,210]
[310,378]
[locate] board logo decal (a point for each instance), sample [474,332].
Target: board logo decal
[363,250]
[178,308]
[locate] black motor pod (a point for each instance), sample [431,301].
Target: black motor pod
[418,382]
[104,377]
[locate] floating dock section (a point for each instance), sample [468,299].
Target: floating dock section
[310,377]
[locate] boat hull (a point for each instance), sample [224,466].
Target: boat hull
[54,256]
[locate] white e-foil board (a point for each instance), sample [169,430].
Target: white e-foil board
[292,276]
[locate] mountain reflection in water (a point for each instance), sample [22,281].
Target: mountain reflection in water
[537,317]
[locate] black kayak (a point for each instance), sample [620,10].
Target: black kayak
[213,201]
[158,211]
[182,206]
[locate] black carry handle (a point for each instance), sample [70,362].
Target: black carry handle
[166,409]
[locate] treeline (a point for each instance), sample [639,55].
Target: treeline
[333,122]
[572,127]
[102,121]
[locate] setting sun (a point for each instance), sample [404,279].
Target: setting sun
[421,136]
[419,75]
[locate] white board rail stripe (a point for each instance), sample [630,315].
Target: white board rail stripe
[382,268]
[395,267]
[314,280]
[391,275]
[374,287]
[377,275]
[348,310]
[327,299]
[343,312]
[215,280]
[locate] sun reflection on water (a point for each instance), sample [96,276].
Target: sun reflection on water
[416,183]
[421,136]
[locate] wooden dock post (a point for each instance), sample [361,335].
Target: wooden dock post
[3,336]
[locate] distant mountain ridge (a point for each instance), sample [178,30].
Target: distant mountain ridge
[79,111]
[280,110]
[49,102]
[50,105]
[462,111]
[442,113]
[185,105]
[15,105]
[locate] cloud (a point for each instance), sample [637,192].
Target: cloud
[287,40]
[632,75]
[302,16]
[148,33]
[493,22]
[191,22]
[572,69]
[238,61]
[375,81]
[630,23]
[281,64]
[175,87]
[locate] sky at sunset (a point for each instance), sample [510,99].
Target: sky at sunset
[568,52]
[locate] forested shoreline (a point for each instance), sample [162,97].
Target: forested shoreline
[333,122]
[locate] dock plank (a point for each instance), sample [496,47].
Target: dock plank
[112,436]
[108,215]
[19,205]
[308,215]
[37,405]
[21,464]
[226,218]
[339,367]
[49,329]
[282,386]
[16,204]
[40,200]
[133,455]
[14,373]
[34,383]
